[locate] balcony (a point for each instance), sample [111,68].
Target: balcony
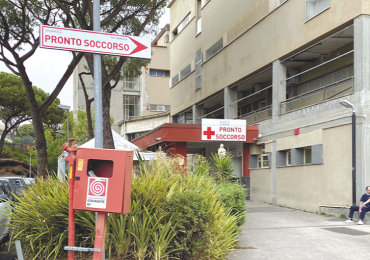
[257,115]
[331,91]
[131,86]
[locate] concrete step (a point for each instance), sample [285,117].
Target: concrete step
[339,211]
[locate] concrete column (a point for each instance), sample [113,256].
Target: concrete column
[273,173]
[362,52]
[278,87]
[230,95]
[246,172]
[198,111]
[362,84]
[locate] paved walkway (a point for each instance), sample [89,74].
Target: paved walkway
[281,233]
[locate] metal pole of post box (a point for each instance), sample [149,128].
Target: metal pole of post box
[71,159]
[98,97]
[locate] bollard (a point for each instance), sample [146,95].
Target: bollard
[19,250]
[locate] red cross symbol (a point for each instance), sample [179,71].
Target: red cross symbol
[209,133]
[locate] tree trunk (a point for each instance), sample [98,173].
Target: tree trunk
[38,126]
[89,120]
[2,140]
[107,128]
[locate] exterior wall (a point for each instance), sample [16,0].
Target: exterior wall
[309,186]
[155,90]
[312,185]
[116,107]
[261,188]
[279,33]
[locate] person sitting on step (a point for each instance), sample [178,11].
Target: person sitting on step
[362,209]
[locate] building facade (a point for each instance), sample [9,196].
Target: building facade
[133,97]
[283,66]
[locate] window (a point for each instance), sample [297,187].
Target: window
[175,80]
[262,104]
[204,2]
[133,136]
[132,84]
[307,155]
[215,48]
[263,161]
[159,73]
[131,106]
[198,69]
[283,1]
[186,71]
[185,118]
[314,7]
[288,158]
[181,25]
[199,26]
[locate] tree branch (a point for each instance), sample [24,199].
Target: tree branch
[61,83]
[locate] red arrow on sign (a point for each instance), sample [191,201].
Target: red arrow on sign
[139,46]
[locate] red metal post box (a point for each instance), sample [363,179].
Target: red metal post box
[110,190]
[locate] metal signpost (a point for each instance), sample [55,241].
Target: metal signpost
[98,43]
[67,39]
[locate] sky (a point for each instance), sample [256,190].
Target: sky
[47,66]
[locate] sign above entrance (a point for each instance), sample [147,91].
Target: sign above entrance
[224,130]
[94,42]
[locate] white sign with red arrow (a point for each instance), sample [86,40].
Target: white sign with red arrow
[94,42]
[224,130]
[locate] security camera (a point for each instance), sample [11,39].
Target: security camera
[158,139]
[255,140]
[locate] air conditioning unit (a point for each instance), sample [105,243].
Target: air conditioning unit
[256,88]
[161,108]
[294,80]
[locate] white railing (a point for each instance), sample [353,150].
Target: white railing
[332,91]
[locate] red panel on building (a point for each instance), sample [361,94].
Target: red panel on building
[171,132]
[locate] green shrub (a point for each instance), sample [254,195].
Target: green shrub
[191,216]
[173,215]
[223,167]
[233,196]
[7,149]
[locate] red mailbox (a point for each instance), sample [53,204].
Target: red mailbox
[103,180]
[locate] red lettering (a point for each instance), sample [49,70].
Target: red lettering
[110,45]
[53,39]
[73,41]
[47,37]
[115,46]
[98,42]
[78,41]
[86,43]
[120,46]
[127,47]
[104,45]
[60,40]
[92,43]
[67,40]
